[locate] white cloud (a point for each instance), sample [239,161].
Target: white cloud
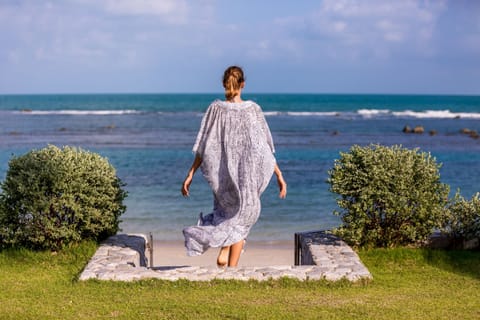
[261,50]
[13,56]
[173,12]
[361,29]
[118,33]
[144,7]
[145,38]
[339,26]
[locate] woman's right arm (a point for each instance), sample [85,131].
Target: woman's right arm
[188,180]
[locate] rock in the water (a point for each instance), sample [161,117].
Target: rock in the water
[418,129]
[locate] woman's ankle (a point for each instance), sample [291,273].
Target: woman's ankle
[235,252]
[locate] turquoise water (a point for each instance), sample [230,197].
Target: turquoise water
[148,138]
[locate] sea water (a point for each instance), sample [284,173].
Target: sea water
[148,139]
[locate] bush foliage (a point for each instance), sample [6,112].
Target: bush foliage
[463,219]
[52,197]
[389,196]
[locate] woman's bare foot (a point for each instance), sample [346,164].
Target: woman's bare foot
[223,255]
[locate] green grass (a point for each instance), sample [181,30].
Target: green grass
[408,284]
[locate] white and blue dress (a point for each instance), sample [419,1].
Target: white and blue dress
[237,152]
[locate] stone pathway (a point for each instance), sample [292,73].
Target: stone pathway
[122,257]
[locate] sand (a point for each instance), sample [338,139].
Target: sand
[172,253]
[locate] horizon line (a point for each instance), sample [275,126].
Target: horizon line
[244,93]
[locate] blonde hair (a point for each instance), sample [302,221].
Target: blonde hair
[232,81]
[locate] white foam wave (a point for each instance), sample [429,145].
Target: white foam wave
[302,114]
[363,113]
[371,113]
[272,113]
[80,112]
[427,114]
[437,114]
[318,114]
[382,113]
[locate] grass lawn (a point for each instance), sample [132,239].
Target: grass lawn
[408,284]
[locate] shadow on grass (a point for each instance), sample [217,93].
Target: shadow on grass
[465,262]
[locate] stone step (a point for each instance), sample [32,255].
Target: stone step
[122,258]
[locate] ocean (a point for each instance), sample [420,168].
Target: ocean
[148,139]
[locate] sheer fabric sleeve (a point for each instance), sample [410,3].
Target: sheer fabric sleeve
[204,131]
[264,126]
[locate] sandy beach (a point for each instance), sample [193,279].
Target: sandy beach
[268,253]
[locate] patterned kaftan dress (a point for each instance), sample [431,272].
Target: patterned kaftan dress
[236,147]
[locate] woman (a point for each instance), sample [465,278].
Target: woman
[234,149]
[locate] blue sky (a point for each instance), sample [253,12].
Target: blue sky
[330,46]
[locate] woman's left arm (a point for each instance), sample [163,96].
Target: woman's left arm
[282,185]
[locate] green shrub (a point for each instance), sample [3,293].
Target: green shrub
[463,221]
[389,196]
[52,197]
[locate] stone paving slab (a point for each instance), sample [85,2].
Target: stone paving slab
[122,258]
[325,250]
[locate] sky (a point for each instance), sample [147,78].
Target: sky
[183,46]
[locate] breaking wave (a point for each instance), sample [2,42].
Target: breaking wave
[361,113]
